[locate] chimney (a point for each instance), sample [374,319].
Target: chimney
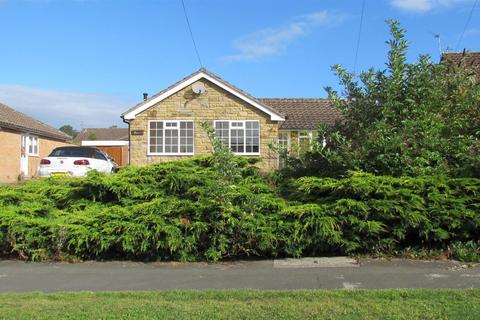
[145,96]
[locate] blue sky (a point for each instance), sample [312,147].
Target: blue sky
[83,62]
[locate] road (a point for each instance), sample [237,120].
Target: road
[313,273]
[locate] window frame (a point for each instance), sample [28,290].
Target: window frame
[287,146]
[244,127]
[164,127]
[32,141]
[307,134]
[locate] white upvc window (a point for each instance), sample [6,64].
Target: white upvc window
[284,140]
[241,136]
[170,137]
[30,145]
[305,139]
[284,147]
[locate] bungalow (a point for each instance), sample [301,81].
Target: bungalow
[113,141]
[24,142]
[166,126]
[470,60]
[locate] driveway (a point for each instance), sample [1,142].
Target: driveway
[309,273]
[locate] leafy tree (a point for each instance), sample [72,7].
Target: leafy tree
[411,119]
[68,129]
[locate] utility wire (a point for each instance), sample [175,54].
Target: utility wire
[466,25]
[358,38]
[191,34]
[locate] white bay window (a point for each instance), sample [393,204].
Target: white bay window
[242,137]
[170,137]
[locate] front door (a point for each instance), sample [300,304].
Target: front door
[24,157]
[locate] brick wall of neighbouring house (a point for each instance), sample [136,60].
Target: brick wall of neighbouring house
[215,104]
[10,142]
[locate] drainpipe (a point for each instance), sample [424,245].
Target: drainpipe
[128,122]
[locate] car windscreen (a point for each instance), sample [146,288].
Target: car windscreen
[73,152]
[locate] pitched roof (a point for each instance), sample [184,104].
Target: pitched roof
[14,120]
[470,59]
[202,73]
[304,113]
[108,134]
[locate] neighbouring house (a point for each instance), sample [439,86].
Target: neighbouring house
[25,141]
[467,59]
[167,126]
[113,141]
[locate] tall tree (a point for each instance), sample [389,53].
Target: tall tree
[411,119]
[68,129]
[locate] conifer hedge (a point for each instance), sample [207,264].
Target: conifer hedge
[187,211]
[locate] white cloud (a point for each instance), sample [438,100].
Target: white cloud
[57,108]
[274,41]
[422,6]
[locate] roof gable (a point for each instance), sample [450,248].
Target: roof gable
[202,74]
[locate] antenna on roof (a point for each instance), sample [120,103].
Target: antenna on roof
[439,42]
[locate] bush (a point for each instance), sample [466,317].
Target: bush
[409,119]
[177,211]
[466,251]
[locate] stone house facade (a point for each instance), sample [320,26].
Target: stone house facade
[25,141]
[167,126]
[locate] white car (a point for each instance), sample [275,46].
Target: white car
[75,161]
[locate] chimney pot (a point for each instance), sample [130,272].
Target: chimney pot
[145,96]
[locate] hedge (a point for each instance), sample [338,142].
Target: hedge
[182,211]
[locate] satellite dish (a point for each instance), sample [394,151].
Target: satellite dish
[199,88]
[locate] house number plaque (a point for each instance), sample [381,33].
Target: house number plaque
[137,132]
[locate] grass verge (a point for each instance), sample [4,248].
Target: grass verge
[246,304]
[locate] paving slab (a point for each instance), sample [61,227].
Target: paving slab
[322,262]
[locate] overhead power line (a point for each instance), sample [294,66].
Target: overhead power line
[359,37]
[466,25]
[191,34]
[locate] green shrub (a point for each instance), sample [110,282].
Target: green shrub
[176,211]
[466,251]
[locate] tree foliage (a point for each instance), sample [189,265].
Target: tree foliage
[410,119]
[68,129]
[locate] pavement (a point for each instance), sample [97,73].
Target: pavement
[307,273]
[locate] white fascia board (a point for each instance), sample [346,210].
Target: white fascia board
[131,115]
[104,143]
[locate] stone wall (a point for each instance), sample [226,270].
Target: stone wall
[215,104]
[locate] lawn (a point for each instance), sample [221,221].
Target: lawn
[246,304]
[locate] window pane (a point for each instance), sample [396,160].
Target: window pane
[303,142]
[156,137]
[222,131]
[186,137]
[252,136]
[237,140]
